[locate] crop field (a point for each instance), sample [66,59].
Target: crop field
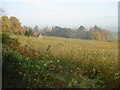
[73,49]
[72,62]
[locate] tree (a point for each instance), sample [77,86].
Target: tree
[30,32]
[36,29]
[16,25]
[82,28]
[97,33]
[107,35]
[62,32]
[98,36]
[81,33]
[26,33]
[96,28]
[6,24]
[102,36]
[11,25]
[92,34]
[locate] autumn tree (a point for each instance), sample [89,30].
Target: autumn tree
[94,33]
[102,36]
[6,24]
[98,36]
[107,35]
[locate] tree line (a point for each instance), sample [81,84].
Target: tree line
[12,25]
[94,33]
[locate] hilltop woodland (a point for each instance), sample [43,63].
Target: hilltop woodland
[82,59]
[12,25]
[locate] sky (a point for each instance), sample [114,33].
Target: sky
[64,13]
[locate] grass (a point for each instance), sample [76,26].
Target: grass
[74,61]
[73,49]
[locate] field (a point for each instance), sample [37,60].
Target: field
[73,49]
[73,62]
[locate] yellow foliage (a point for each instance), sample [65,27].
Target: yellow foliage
[6,24]
[99,37]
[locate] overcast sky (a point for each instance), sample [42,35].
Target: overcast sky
[65,13]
